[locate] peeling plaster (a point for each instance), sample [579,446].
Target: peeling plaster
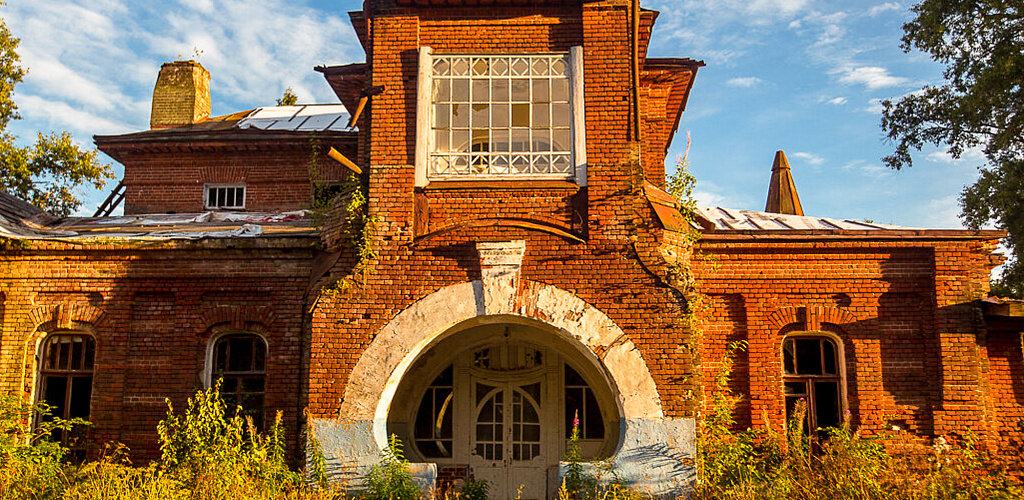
[654,453]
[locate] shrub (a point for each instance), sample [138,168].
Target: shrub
[389,479]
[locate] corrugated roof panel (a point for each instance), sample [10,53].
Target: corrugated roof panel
[306,118]
[727,219]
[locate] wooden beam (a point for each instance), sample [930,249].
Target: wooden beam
[340,158]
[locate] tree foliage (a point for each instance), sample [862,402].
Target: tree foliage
[48,173]
[980,106]
[289,98]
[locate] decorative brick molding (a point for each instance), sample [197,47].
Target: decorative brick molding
[64,315]
[222,318]
[811,317]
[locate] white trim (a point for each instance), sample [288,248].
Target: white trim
[424,86]
[579,114]
[215,185]
[208,365]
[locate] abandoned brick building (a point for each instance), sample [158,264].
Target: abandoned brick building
[518,266]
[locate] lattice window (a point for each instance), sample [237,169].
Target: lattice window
[812,373]
[240,362]
[433,430]
[501,116]
[66,373]
[581,403]
[224,196]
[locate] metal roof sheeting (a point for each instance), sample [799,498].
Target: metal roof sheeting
[302,118]
[727,219]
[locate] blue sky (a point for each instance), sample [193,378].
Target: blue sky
[804,76]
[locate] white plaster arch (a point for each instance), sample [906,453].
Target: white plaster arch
[380,369]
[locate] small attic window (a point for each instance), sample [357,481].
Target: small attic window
[224,196]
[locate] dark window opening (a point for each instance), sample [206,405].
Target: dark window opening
[240,363]
[228,197]
[66,373]
[581,404]
[433,430]
[811,374]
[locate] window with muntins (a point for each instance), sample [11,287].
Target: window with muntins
[812,373]
[66,373]
[581,407]
[225,196]
[501,116]
[433,432]
[240,362]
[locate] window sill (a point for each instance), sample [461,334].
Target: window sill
[501,185]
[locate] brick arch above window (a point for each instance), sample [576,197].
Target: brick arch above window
[809,318]
[220,319]
[64,316]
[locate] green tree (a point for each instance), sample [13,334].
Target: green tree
[979,106]
[288,98]
[48,173]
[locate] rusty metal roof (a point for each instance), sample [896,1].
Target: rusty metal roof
[727,219]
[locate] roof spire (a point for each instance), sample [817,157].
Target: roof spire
[782,197]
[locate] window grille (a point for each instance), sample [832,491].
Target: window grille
[580,403]
[811,373]
[66,373]
[501,116]
[225,197]
[240,362]
[433,430]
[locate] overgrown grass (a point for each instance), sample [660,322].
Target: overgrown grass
[210,452]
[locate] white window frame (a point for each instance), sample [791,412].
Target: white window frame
[211,186]
[425,119]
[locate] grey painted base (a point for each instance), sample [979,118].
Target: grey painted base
[655,456]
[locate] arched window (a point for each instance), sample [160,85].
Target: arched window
[812,371]
[65,374]
[240,361]
[433,430]
[581,403]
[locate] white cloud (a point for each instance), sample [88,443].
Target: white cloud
[746,81]
[61,115]
[973,156]
[885,7]
[838,101]
[872,77]
[874,106]
[943,213]
[811,158]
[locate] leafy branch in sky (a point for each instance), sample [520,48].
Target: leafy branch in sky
[48,173]
[979,107]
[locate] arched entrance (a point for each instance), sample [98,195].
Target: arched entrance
[496,398]
[650,452]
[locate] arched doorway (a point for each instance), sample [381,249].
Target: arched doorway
[497,401]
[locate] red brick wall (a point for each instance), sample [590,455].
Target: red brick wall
[160,304]
[604,271]
[276,180]
[903,310]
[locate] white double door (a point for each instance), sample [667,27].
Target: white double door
[510,436]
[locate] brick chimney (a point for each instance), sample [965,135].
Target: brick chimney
[181,96]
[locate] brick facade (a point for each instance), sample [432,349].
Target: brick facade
[902,303]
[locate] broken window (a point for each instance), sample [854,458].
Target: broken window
[66,373]
[811,373]
[224,196]
[433,430]
[580,403]
[240,362]
[501,115]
